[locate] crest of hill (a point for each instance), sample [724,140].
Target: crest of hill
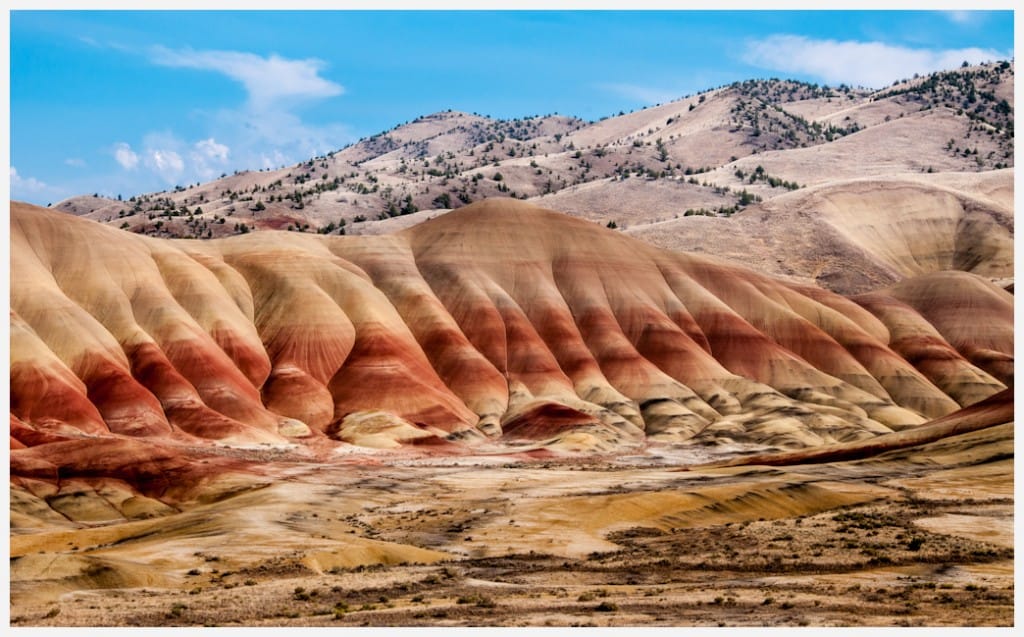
[448,132]
[81,205]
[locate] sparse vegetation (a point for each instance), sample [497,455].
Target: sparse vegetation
[450,165]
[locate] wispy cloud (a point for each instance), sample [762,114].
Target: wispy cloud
[869,64]
[277,132]
[962,17]
[268,81]
[645,94]
[263,131]
[209,157]
[166,163]
[30,184]
[30,188]
[75,162]
[125,156]
[163,154]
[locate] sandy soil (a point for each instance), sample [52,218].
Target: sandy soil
[919,537]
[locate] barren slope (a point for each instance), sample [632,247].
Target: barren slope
[861,234]
[499,323]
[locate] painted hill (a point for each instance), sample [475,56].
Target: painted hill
[498,324]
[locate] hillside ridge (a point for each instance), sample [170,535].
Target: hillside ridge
[715,152]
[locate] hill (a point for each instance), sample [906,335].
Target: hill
[500,323]
[856,235]
[762,147]
[751,345]
[715,153]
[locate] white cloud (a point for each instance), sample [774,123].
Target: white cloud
[209,157]
[263,131]
[870,64]
[166,163]
[125,156]
[257,133]
[25,188]
[77,162]
[268,81]
[210,149]
[25,184]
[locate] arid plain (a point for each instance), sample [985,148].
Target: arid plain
[744,359]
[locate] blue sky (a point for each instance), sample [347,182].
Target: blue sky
[120,102]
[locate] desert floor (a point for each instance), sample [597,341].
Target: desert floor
[919,537]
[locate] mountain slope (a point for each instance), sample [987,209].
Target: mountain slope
[702,153]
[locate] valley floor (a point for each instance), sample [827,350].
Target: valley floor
[917,537]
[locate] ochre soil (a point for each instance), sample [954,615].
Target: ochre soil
[917,537]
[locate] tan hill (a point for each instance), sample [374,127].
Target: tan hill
[88,204]
[699,154]
[497,324]
[856,235]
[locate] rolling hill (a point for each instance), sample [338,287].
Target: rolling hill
[498,324]
[718,151]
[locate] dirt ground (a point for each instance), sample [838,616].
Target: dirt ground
[921,537]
